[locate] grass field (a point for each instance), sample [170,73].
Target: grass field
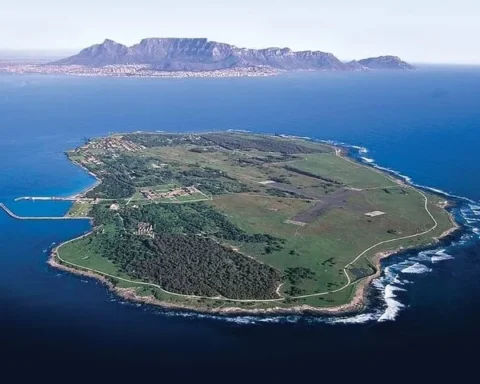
[337,168]
[333,240]
[79,210]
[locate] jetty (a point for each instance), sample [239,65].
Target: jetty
[11,214]
[45,198]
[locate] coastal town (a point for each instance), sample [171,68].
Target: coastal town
[132,70]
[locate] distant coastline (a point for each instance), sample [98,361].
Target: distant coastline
[357,303]
[196,57]
[136,71]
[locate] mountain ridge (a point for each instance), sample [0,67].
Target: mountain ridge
[201,54]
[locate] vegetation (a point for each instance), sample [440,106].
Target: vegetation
[166,139]
[184,253]
[124,173]
[191,265]
[112,187]
[193,218]
[311,174]
[242,142]
[280,217]
[283,193]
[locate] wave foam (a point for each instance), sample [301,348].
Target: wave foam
[360,149]
[368,160]
[422,256]
[393,306]
[440,256]
[416,268]
[358,319]
[471,221]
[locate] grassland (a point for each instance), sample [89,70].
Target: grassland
[79,209]
[296,206]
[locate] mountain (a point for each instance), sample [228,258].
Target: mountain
[200,54]
[385,62]
[354,65]
[109,52]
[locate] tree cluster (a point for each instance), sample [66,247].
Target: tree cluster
[188,264]
[313,175]
[235,141]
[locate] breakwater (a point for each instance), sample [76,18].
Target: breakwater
[15,216]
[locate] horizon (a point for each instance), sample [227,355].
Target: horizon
[428,33]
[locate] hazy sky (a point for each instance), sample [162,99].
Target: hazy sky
[435,31]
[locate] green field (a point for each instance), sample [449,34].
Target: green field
[79,210]
[289,210]
[351,174]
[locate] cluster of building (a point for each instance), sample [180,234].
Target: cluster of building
[151,194]
[112,144]
[145,229]
[114,207]
[133,70]
[92,160]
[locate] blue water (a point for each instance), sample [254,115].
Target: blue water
[424,124]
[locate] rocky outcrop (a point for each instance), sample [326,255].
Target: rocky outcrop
[385,62]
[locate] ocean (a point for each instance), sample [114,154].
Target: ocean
[424,125]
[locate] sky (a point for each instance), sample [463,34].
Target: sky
[419,31]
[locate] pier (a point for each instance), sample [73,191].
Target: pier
[45,198]
[11,214]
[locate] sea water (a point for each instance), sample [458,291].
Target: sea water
[422,125]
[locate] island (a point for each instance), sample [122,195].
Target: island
[235,222]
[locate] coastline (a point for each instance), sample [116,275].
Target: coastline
[88,189]
[357,303]
[135,71]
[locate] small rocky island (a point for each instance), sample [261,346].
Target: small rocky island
[198,57]
[239,222]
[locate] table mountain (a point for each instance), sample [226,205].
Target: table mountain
[199,54]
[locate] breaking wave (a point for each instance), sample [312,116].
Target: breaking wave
[416,268]
[440,256]
[367,160]
[393,306]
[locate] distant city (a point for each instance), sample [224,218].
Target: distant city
[193,57]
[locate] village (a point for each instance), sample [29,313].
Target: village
[151,194]
[86,154]
[112,144]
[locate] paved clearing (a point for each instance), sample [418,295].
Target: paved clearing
[319,208]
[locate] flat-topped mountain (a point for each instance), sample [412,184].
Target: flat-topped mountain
[200,54]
